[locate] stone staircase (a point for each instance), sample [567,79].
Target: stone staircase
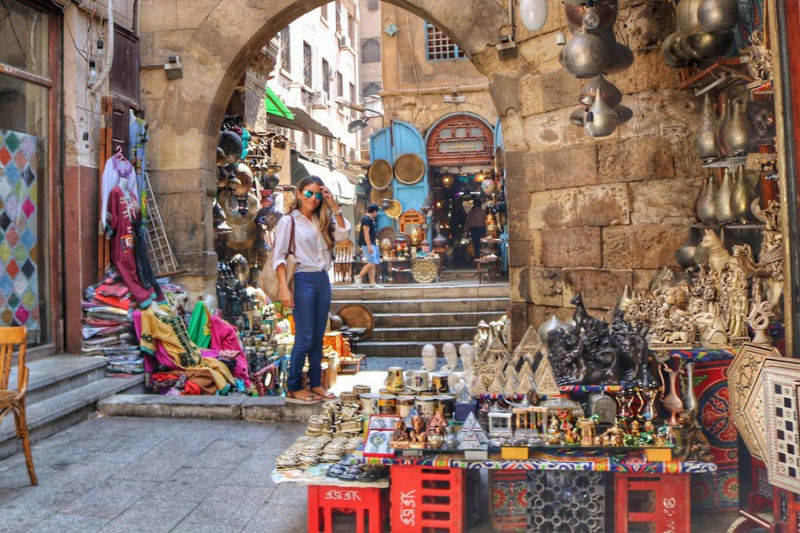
[62,391]
[410,316]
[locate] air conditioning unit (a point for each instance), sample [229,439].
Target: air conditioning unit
[344,41]
[320,100]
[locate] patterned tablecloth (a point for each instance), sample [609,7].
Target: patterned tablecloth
[629,463]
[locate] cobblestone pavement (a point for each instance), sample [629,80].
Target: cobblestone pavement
[152,475]
[138,474]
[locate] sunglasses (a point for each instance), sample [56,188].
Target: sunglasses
[309,194]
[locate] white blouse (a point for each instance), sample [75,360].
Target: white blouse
[310,249]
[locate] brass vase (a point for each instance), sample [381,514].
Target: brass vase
[741,196]
[672,402]
[705,142]
[704,206]
[690,399]
[737,130]
[723,211]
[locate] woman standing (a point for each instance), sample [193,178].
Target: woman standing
[315,231]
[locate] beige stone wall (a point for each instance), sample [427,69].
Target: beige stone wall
[414,88]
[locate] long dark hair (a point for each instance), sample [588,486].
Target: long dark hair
[322,211]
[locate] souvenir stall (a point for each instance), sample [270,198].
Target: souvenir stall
[558,435]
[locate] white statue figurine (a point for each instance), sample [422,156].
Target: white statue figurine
[467,353]
[450,357]
[429,357]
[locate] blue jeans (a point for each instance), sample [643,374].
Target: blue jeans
[312,301]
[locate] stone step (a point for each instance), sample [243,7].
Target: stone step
[398,349]
[420,320]
[253,409]
[54,414]
[429,306]
[424,334]
[433,290]
[50,376]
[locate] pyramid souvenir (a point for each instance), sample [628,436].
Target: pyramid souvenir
[497,352]
[526,384]
[511,387]
[497,385]
[473,440]
[528,346]
[525,371]
[510,371]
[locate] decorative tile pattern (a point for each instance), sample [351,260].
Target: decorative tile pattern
[781,388]
[19,284]
[565,501]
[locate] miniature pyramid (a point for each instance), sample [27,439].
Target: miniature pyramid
[472,436]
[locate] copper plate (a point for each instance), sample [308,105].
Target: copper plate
[357,316]
[394,210]
[376,196]
[380,174]
[409,169]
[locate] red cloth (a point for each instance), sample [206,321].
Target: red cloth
[191,389]
[122,303]
[123,252]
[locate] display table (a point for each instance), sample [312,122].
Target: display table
[631,476]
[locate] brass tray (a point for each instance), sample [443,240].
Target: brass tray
[409,169]
[380,174]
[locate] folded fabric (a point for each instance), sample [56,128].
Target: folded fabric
[114,301]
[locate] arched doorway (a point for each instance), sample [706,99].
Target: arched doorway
[215,46]
[466,196]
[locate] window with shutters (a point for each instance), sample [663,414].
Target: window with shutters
[286,50]
[352,99]
[339,85]
[326,77]
[440,47]
[308,77]
[371,50]
[337,7]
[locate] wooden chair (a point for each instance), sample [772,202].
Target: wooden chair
[14,401]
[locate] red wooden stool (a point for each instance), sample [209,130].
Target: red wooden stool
[366,502]
[661,500]
[425,498]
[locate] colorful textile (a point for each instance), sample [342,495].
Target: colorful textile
[19,257]
[199,325]
[508,490]
[115,170]
[160,324]
[122,209]
[138,136]
[720,490]
[633,463]
[225,337]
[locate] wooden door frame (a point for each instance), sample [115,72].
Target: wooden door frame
[785,25]
[55,237]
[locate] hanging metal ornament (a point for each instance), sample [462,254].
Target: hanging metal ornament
[608,92]
[533,14]
[601,120]
[586,55]
[593,15]
[718,16]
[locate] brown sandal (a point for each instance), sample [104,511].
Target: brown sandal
[319,391]
[306,398]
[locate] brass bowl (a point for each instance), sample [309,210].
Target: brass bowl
[409,169]
[380,174]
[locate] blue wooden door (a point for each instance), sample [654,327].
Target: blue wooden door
[389,144]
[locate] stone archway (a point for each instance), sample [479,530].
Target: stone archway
[215,42]
[585,215]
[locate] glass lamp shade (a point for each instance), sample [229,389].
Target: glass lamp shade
[533,13]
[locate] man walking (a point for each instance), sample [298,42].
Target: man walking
[366,239]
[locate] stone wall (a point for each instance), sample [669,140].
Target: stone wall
[589,215]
